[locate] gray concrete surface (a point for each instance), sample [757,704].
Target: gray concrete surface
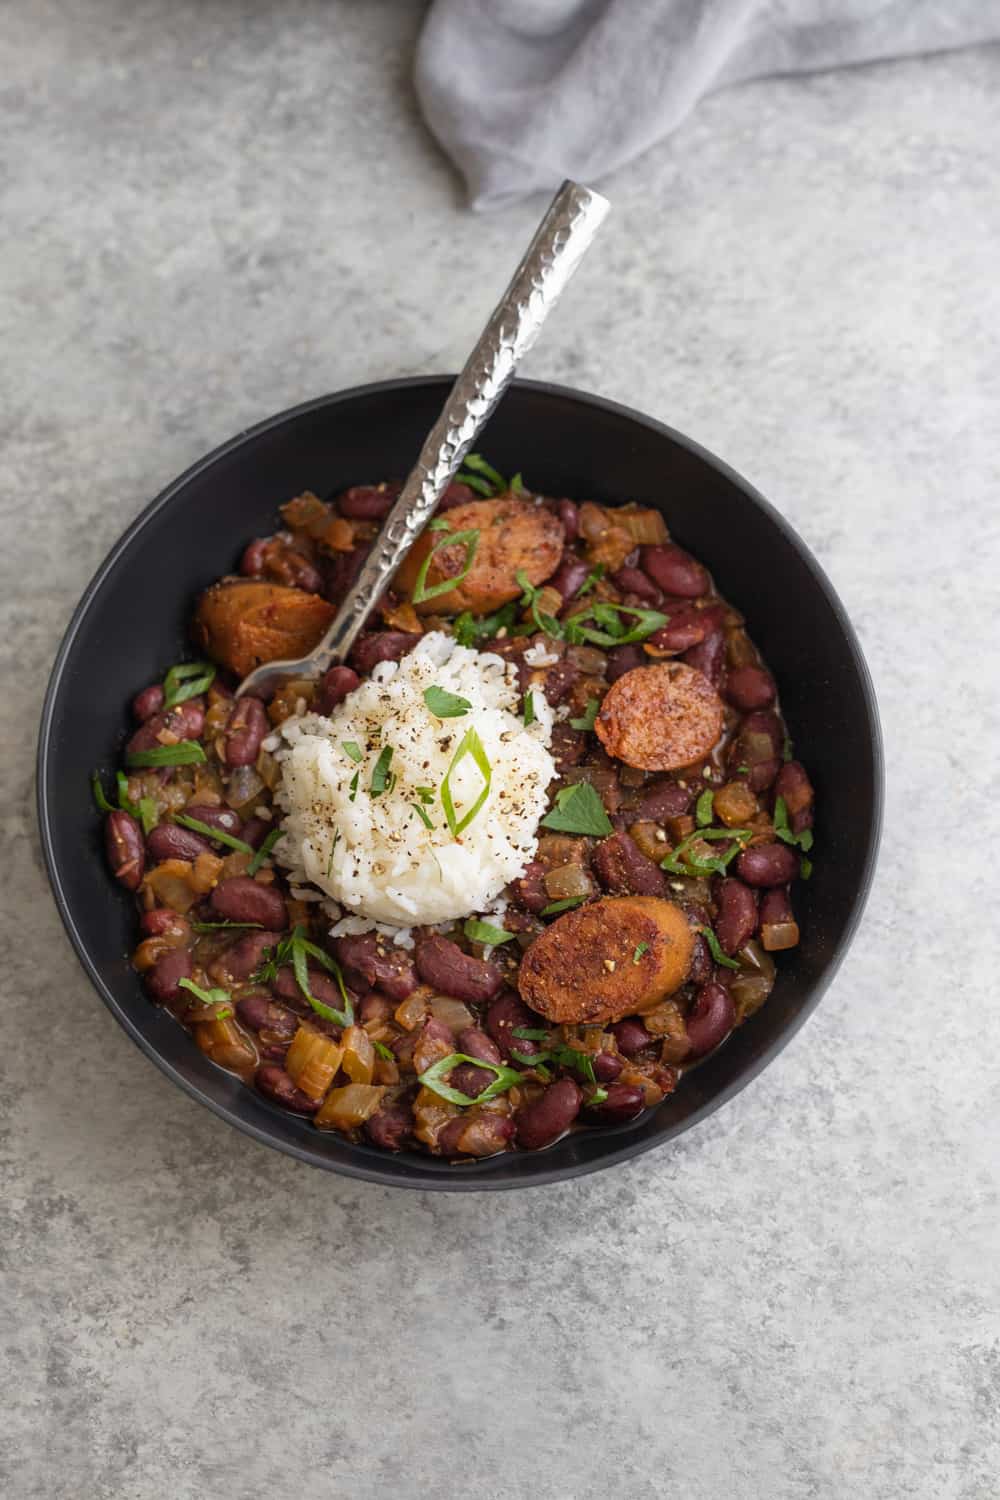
[215,208]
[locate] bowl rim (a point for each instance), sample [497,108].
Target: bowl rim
[456,1180]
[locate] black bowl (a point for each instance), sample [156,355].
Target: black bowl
[132,622]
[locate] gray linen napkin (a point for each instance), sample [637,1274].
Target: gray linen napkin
[522,93]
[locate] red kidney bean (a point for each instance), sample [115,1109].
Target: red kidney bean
[702,968]
[321,986]
[763,773]
[148,702]
[569,577]
[607,1066]
[544,1120]
[163,980]
[469,1079]
[631,1036]
[169,841]
[559,680]
[758,746]
[674,570]
[275,1084]
[246,729]
[124,848]
[375,1007]
[708,657]
[242,899]
[443,965]
[368,502]
[624,870]
[252,561]
[765,722]
[507,1013]
[368,963]
[624,1102]
[749,688]
[768,864]
[569,515]
[333,688]
[222,818]
[286,565]
[381,645]
[794,786]
[710,1019]
[478,1135]
[247,953]
[622,659]
[390,1125]
[778,928]
[568,746]
[661,800]
[161,920]
[456,494]
[340,571]
[528,890]
[635,581]
[186,721]
[261,1013]
[475,1043]
[736,921]
[255,831]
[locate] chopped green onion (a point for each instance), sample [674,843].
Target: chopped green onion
[352,790]
[529,709]
[717,953]
[425,793]
[262,853]
[592,578]
[556,906]
[422,589]
[439,523]
[216,926]
[99,794]
[743,770]
[680,862]
[380,774]
[423,815]
[787,750]
[184,753]
[531,1033]
[597,1097]
[384,1051]
[353,749]
[485,932]
[705,808]
[506,1078]
[803,840]
[805,868]
[228,839]
[641,948]
[579,809]
[588,718]
[471,745]
[445,705]
[615,632]
[186,681]
[517,485]
[207,997]
[481,486]
[468,629]
[495,482]
[529,600]
[296,950]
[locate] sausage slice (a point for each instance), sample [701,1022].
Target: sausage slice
[513,534]
[660,718]
[242,622]
[614,957]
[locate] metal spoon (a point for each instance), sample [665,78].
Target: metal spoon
[559,244]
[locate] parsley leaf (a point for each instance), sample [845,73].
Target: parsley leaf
[445,705]
[579,809]
[380,774]
[485,932]
[716,951]
[588,718]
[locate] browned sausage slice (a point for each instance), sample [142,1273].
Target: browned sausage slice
[513,534]
[242,622]
[612,958]
[660,718]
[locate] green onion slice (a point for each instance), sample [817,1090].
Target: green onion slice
[100,796]
[422,589]
[645,622]
[716,951]
[423,815]
[565,905]
[207,997]
[262,853]
[354,750]
[184,753]
[705,808]
[505,1079]
[588,718]
[485,932]
[472,745]
[529,709]
[186,681]
[380,774]
[216,834]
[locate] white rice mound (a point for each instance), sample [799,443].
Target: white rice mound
[375,856]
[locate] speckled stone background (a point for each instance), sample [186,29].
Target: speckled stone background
[215,208]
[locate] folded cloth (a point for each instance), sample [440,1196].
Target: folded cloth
[522,93]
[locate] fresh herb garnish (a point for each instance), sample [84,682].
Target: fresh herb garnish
[588,718]
[803,840]
[506,1078]
[597,1097]
[557,1052]
[445,705]
[262,853]
[185,681]
[184,753]
[787,750]
[208,832]
[207,997]
[380,774]
[352,790]
[529,709]
[704,809]
[384,1051]
[353,751]
[485,932]
[423,815]
[422,589]
[545,622]
[468,629]
[531,1033]
[579,809]
[592,578]
[333,850]
[425,793]
[641,948]
[439,523]
[472,745]
[220,926]
[144,810]
[297,950]
[103,805]
[517,485]
[743,770]
[805,868]
[609,629]
[481,476]
[557,906]
[716,951]
[681,861]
